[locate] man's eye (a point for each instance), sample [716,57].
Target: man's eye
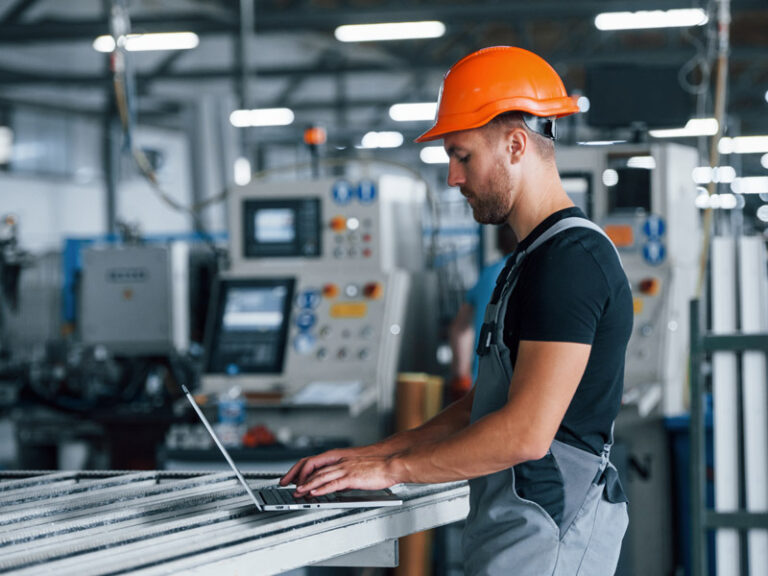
[463,159]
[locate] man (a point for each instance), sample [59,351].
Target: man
[533,435]
[464,332]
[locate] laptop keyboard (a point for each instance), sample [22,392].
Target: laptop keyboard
[284,496]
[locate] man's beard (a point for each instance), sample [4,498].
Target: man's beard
[495,206]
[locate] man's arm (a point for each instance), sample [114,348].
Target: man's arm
[545,379]
[447,422]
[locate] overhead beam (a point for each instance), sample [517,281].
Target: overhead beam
[9,76]
[280,20]
[16,11]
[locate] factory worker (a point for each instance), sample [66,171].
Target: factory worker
[533,436]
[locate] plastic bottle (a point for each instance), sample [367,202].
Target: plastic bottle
[231,425]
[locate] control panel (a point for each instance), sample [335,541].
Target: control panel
[331,328]
[337,223]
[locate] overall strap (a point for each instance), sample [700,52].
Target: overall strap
[507,280]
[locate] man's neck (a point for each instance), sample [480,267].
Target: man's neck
[541,195]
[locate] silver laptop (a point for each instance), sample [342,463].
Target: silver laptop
[276,498]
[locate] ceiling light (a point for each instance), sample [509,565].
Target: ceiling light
[750,185]
[646,162]
[762,213]
[601,142]
[743,145]
[261,117]
[694,127]
[610,177]
[413,111]
[433,155]
[706,174]
[651,19]
[382,140]
[583,103]
[716,201]
[389,31]
[145,42]
[764,161]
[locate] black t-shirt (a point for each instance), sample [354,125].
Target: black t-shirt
[572,288]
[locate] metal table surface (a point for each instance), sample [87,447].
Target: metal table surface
[151,523]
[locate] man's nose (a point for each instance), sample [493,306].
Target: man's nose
[455,174]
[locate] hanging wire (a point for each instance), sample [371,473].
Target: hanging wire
[125,99]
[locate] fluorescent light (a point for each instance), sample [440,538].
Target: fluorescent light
[601,142]
[382,140]
[389,31]
[6,144]
[413,111]
[145,42]
[694,127]
[743,145]
[261,117]
[716,201]
[651,19]
[646,162]
[750,185]
[706,174]
[433,155]
[242,171]
[764,161]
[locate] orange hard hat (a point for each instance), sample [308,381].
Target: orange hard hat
[493,80]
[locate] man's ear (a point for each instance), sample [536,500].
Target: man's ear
[516,142]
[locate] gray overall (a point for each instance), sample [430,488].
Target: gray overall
[508,535]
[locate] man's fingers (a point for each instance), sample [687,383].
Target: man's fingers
[304,468]
[316,463]
[319,479]
[333,486]
[288,477]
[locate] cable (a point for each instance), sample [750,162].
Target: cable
[120,24]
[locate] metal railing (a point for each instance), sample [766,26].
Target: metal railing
[703,518]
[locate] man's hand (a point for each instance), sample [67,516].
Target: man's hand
[305,467]
[362,473]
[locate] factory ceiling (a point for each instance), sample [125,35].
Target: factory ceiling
[292,58]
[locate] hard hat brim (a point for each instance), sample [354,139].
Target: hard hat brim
[445,124]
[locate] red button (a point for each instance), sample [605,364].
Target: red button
[373,290]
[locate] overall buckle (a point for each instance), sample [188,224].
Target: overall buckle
[487,338]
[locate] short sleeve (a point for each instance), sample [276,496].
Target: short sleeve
[563,292]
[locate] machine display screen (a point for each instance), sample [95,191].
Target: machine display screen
[281,228]
[248,326]
[631,192]
[274,225]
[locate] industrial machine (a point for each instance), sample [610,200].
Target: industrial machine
[135,298]
[644,197]
[312,314]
